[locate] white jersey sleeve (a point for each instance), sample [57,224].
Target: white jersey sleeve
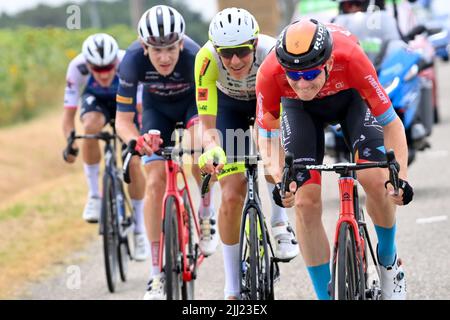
[77,75]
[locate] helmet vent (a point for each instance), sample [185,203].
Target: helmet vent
[229,18]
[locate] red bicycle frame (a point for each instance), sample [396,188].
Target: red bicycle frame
[347,214]
[173,170]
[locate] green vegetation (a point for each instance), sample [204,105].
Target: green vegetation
[33,67]
[36,48]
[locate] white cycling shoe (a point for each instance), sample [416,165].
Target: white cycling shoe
[140,247]
[209,238]
[92,209]
[156,288]
[393,283]
[286,246]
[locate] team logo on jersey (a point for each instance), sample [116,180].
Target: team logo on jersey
[124,100]
[202,94]
[205,66]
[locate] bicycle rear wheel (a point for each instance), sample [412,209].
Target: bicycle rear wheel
[172,263]
[110,234]
[350,278]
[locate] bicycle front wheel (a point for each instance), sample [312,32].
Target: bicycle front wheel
[172,263]
[188,287]
[350,279]
[110,233]
[255,267]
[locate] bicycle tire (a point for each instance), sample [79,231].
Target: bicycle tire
[110,236]
[171,251]
[123,250]
[259,265]
[266,274]
[188,287]
[351,284]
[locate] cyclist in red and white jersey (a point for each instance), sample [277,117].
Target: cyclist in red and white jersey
[92,77]
[321,76]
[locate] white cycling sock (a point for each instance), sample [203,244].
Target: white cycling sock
[138,207]
[154,265]
[91,171]
[278,213]
[231,264]
[207,205]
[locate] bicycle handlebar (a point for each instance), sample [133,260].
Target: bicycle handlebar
[69,150]
[290,168]
[167,153]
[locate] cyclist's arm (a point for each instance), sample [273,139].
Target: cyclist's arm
[68,122]
[126,99]
[268,124]
[365,79]
[206,75]
[126,127]
[394,138]
[76,77]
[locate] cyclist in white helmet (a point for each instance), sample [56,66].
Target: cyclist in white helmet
[225,74]
[95,72]
[163,61]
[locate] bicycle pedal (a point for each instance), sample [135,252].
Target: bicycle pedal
[275,259]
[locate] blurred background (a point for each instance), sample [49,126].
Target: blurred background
[39,37]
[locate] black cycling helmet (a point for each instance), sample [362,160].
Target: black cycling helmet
[304,44]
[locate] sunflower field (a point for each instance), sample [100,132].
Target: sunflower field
[33,65]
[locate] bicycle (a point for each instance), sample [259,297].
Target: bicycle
[179,251]
[259,267]
[350,256]
[117,215]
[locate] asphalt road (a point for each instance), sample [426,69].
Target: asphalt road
[423,239]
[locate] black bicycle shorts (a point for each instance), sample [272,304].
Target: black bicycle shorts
[163,115]
[303,123]
[233,123]
[90,103]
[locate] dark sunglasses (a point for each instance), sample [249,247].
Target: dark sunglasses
[308,75]
[101,69]
[240,51]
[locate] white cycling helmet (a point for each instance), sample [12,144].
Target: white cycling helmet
[233,26]
[161,26]
[100,49]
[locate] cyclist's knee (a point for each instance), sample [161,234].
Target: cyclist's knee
[93,122]
[155,182]
[308,204]
[373,182]
[232,198]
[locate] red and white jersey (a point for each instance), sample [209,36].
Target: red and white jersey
[351,69]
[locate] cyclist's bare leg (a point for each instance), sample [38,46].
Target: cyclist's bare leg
[93,122]
[136,188]
[311,234]
[155,185]
[194,142]
[312,238]
[379,207]
[233,197]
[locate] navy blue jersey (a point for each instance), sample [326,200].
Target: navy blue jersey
[102,93]
[136,68]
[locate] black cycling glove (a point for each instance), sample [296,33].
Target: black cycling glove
[408,192]
[276,194]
